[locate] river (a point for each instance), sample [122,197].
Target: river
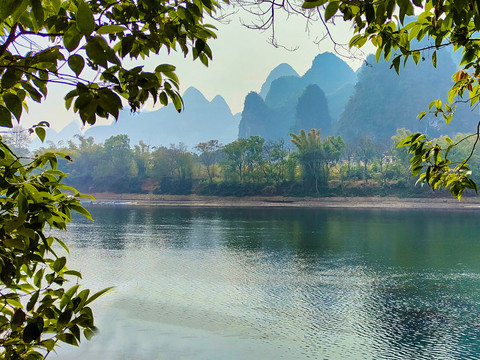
[279,283]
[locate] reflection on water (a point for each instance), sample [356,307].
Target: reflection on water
[280,284]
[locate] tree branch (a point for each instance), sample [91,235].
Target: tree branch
[10,39]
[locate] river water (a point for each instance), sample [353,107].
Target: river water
[280,283]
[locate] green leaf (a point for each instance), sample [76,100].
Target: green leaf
[98,294]
[111,29]
[76,63]
[165,68]
[127,44]
[8,8]
[96,52]
[38,13]
[18,317]
[68,338]
[67,297]
[48,344]
[331,10]
[369,12]
[70,292]
[37,279]
[199,45]
[358,41]
[22,204]
[63,245]
[64,319]
[88,333]
[416,56]
[72,38]
[378,53]
[171,75]
[73,273]
[34,94]
[14,104]
[33,300]
[163,98]
[83,296]
[75,330]
[177,102]
[31,332]
[203,58]
[59,264]
[434,59]
[9,78]
[41,133]
[85,20]
[81,210]
[15,243]
[396,64]
[312,4]
[110,101]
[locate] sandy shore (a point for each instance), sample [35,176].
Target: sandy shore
[469,203]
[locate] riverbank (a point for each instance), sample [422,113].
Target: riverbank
[467,203]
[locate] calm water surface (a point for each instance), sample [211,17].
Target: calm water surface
[280,284]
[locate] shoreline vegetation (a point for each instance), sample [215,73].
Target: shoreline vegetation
[252,167]
[389,202]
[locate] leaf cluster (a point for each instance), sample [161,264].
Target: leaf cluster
[431,163]
[99,36]
[40,300]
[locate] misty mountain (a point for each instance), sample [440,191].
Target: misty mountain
[312,111]
[384,102]
[258,118]
[280,71]
[201,120]
[329,72]
[339,99]
[333,82]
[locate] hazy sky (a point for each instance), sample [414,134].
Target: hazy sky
[242,59]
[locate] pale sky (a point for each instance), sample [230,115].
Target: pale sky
[242,60]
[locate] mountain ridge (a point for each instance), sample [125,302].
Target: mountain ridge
[200,121]
[328,73]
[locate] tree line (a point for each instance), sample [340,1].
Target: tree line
[307,165]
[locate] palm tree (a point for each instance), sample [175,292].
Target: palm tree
[311,156]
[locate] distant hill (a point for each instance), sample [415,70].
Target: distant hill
[328,96]
[312,111]
[258,118]
[384,102]
[285,91]
[280,71]
[329,72]
[338,100]
[333,80]
[202,120]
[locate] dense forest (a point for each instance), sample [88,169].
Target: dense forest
[307,164]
